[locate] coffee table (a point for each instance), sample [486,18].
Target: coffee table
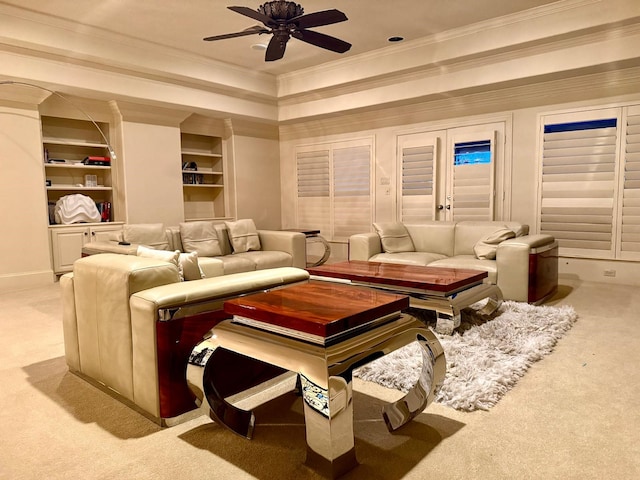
[443,290]
[321,331]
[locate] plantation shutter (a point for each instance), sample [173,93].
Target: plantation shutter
[334,188]
[351,191]
[313,190]
[630,221]
[417,154]
[472,178]
[579,185]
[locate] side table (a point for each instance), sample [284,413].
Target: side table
[314,238]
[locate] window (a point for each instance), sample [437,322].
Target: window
[334,188]
[472,178]
[590,182]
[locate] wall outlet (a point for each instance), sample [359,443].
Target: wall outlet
[609,273]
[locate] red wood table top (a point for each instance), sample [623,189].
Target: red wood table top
[322,309]
[436,279]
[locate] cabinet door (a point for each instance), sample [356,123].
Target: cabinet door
[103,233]
[66,245]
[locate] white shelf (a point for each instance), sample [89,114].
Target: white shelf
[201,185]
[75,187]
[202,172]
[77,165]
[196,153]
[72,143]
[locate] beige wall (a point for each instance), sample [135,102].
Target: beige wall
[152,173]
[257,178]
[23,202]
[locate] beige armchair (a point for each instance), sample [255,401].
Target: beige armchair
[130,325]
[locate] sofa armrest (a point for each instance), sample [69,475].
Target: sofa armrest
[363,246]
[513,262]
[293,243]
[110,246]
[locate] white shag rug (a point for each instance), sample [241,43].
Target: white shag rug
[485,356]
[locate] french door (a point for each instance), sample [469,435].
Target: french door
[449,175]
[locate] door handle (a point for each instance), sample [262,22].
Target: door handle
[440,207]
[448,207]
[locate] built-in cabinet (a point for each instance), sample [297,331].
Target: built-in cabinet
[203,177]
[67,242]
[77,160]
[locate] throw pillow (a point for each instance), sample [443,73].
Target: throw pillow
[243,235]
[164,255]
[200,237]
[189,266]
[149,234]
[487,246]
[394,237]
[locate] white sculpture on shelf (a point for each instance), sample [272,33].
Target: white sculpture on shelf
[76,208]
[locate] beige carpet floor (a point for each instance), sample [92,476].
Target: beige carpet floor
[574,415]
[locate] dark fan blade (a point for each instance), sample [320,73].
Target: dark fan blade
[268,21]
[276,48]
[249,31]
[322,40]
[317,19]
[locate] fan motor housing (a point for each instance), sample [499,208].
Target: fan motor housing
[281,10]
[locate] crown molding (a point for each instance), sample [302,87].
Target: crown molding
[46,35]
[503,98]
[534,25]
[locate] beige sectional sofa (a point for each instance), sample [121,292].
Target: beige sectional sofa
[524,266]
[130,324]
[221,248]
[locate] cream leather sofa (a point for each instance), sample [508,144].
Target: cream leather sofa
[214,243]
[130,325]
[525,267]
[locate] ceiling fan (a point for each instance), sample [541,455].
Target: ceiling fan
[286,19]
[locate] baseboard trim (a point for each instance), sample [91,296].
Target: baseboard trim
[24,280]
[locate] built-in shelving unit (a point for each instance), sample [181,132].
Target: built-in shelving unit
[66,143]
[203,177]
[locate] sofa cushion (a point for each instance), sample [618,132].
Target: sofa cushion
[433,237]
[236,264]
[243,235]
[470,262]
[267,259]
[407,258]
[486,247]
[211,266]
[394,237]
[150,234]
[200,237]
